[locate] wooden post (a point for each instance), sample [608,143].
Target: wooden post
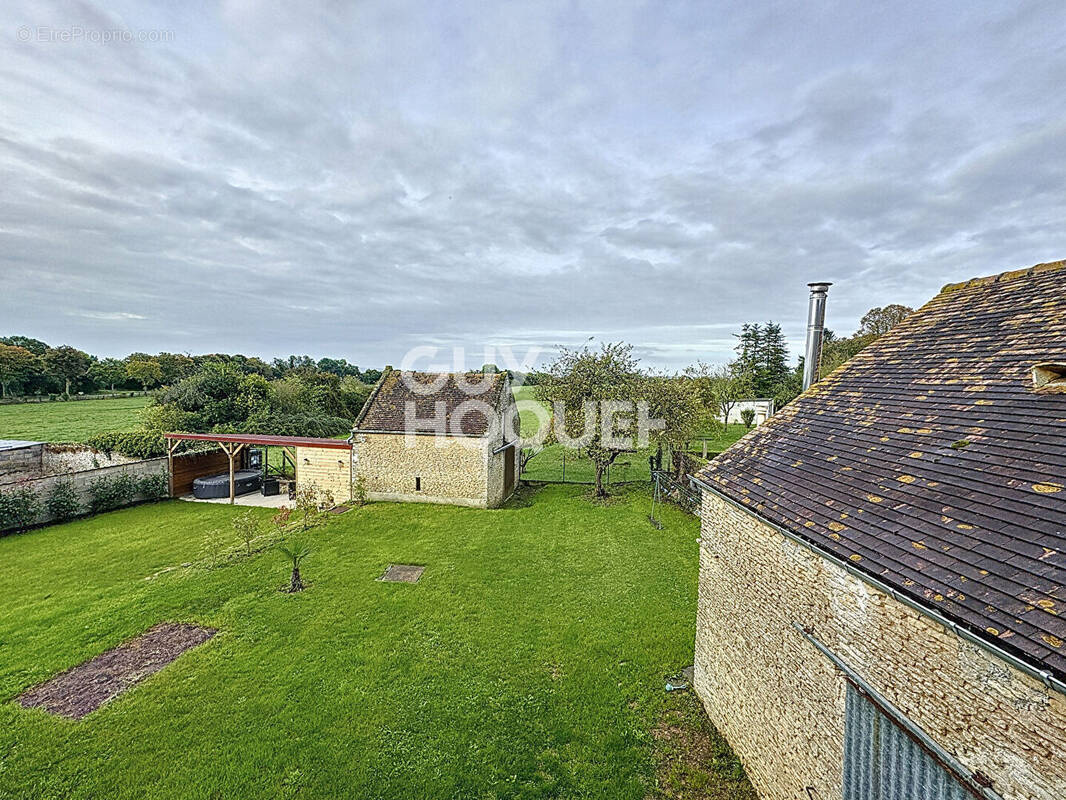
[232,451]
[172,445]
[229,452]
[704,449]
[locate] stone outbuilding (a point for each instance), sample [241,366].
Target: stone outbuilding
[438,438]
[882,587]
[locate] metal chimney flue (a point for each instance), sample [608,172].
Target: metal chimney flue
[815,331]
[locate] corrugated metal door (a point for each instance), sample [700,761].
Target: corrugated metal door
[881,762]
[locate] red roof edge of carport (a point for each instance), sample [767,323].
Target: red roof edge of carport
[251,438]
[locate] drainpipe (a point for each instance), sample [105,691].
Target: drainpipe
[815,330]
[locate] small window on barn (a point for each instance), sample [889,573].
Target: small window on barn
[1049,377]
[418,484]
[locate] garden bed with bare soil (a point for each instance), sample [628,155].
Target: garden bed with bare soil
[84,688]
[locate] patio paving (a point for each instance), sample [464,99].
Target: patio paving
[251,499]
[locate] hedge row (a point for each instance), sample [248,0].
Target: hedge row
[150,444]
[135,444]
[22,507]
[298,425]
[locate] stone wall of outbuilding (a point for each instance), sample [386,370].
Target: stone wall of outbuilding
[330,469]
[494,475]
[497,493]
[780,702]
[449,469]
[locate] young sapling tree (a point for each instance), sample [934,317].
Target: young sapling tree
[247,527]
[296,554]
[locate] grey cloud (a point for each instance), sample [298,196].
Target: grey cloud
[381,178]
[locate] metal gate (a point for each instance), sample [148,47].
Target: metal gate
[883,762]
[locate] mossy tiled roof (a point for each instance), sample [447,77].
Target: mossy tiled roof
[930,462]
[470,402]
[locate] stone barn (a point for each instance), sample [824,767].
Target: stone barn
[882,586]
[438,438]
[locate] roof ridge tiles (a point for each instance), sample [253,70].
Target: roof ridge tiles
[1009,275]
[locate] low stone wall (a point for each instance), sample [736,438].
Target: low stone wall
[60,459]
[83,480]
[20,462]
[43,460]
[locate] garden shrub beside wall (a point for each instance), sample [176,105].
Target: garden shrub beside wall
[58,498]
[19,508]
[153,486]
[110,492]
[319,425]
[62,502]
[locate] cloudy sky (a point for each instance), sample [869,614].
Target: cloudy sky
[365,178]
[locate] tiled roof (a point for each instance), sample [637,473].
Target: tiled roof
[386,410]
[930,462]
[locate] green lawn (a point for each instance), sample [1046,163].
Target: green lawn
[548,465]
[69,421]
[527,662]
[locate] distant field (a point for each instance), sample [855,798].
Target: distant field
[555,463]
[69,421]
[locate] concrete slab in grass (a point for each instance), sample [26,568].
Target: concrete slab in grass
[402,573]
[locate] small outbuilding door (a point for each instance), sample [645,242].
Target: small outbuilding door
[508,471]
[883,762]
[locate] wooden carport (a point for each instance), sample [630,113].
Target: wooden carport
[233,443]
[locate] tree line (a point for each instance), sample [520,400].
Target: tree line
[694,402]
[31,367]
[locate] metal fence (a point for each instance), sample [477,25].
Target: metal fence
[667,488]
[557,464]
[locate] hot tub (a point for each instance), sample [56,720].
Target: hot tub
[209,486]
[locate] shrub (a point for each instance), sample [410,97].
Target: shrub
[747,416]
[100,497]
[281,519]
[124,489]
[296,554]
[360,495]
[62,502]
[247,527]
[135,444]
[307,503]
[19,508]
[165,418]
[153,486]
[214,549]
[320,425]
[107,493]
